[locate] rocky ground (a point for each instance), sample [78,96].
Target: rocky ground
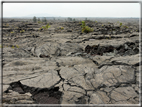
[66,66]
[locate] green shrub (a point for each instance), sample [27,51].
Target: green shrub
[1,46]
[62,28]
[45,27]
[85,28]
[17,46]
[11,32]
[83,24]
[22,31]
[125,26]
[12,47]
[120,24]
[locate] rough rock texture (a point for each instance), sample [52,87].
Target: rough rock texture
[17,98]
[70,67]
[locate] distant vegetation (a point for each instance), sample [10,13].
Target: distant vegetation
[44,20]
[69,19]
[34,19]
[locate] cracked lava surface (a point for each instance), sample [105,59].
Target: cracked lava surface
[61,67]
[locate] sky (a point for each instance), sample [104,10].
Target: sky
[71,9]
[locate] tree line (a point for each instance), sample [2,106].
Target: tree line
[35,20]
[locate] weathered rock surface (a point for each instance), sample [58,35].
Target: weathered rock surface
[15,98]
[71,68]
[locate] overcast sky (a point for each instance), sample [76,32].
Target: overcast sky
[72,9]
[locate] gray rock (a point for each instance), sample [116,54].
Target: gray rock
[16,98]
[124,95]
[113,75]
[109,54]
[56,65]
[57,49]
[99,97]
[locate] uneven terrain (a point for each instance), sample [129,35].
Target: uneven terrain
[67,66]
